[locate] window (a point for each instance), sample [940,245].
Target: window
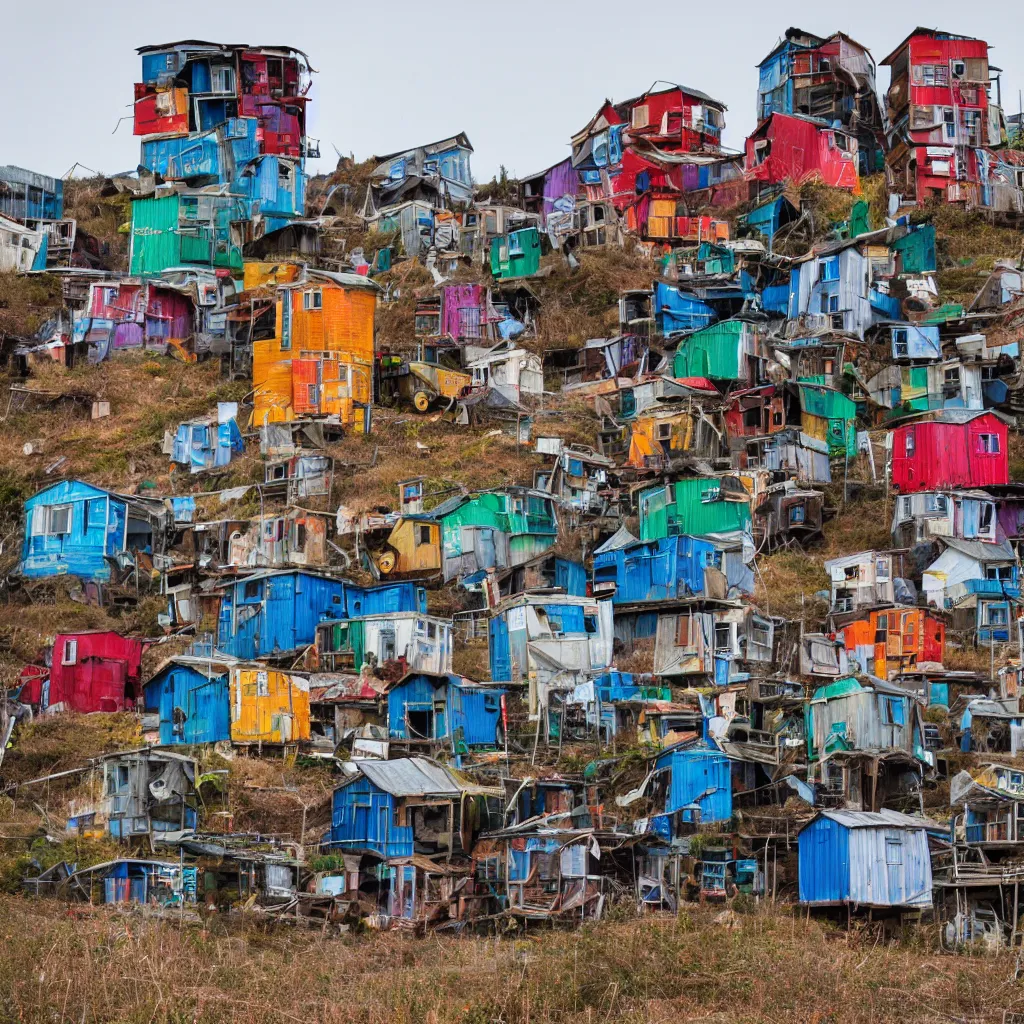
[58,520]
[313,299]
[828,269]
[893,711]
[262,684]
[988,444]
[224,80]
[833,303]
[936,504]
[252,590]
[590,624]
[422,533]
[906,508]
[986,517]
[909,443]
[640,116]
[723,636]
[935,74]
[300,537]
[1002,573]
[949,122]
[959,69]
[900,344]
[797,514]
[664,431]
[69,656]
[824,64]
[994,615]
[431,630]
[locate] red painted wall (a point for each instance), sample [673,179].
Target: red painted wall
[106,674]
[945,455]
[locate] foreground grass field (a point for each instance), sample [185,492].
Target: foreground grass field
[83,965]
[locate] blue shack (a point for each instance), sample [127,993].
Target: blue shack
[416,791]
[447,710]
[694,785]
[870,858]
[661,570]
[74,528]
[678,310]
[208,442]
[190,695]
[273,613]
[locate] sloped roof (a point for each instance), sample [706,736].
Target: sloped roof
[878,819]
[411,776]
[980,551]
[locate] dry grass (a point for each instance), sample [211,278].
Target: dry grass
[94,965]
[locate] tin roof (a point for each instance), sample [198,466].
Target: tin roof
[411,776]
[878,819]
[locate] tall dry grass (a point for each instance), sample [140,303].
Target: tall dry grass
[89,965]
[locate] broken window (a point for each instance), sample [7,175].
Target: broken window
[422,533]
[723,636]
[300,537]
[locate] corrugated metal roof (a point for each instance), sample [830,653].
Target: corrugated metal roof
[410,776]
[879,819]
[981,551]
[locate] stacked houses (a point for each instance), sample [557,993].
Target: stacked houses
[618,591]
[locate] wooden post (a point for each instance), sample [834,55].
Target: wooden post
[1013,934]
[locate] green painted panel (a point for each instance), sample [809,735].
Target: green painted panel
[155,241]
[713,352]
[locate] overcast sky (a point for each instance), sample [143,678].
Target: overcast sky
[518,78]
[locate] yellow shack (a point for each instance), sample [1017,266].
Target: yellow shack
[268,706]
[320,360]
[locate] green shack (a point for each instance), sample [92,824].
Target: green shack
[718,352]
[516,254]
[916,250]
[694,507]
[494,529]
[830,416]
[182,229]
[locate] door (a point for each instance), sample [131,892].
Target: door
[894,867]
[486,553]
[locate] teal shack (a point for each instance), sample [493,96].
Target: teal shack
[694,507]
[516,254]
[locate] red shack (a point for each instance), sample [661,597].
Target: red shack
[92,671]
[794,147]
[952,449]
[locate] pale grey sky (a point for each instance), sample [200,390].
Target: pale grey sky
[518,78]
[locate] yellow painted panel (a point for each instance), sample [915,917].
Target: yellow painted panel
[268,706]
[257,273]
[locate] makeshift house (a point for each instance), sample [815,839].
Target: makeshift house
[267,706]
[190,697]
[345,709]
[828,78]
[988,725]
[139,793]
[277,539]
[95,670]
[438,174]
[688,788]
[77,529]
[610,704]
[130,880]
[407,825]
[834,289]
[948,450]
[34,202]
[206,443]
[978,581]
[860,580]
[696,507]
[676,433]
[715,640]
[675,309]
[579,477]
[989,808]
[432,711]
[942,119]
[873,859]
[511,371]
[21,248]
[275,612]
[924,517]
[551,641]
[392,642]
[794,148]
[891,641]
[729,350]
[662,570]
[799,456]
[516,254]
[822,654]
[319,363]
[788,514]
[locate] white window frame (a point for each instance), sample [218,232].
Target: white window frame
[313,299]
[69,655]
[51,513]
